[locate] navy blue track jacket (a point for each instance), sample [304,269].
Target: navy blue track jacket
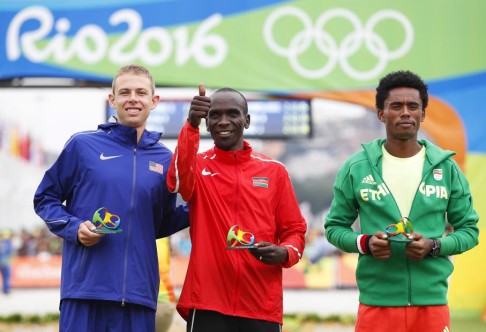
[106,168]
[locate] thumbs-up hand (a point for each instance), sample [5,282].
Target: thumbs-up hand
[199,107]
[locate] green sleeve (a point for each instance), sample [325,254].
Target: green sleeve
[343,214]
[461,215]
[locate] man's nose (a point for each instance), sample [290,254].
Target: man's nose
[405,111]
[133,97]
[224,120]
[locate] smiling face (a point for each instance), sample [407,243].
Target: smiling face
[133,99]
[402,114]
[227,118]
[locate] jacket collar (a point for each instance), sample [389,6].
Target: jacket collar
[234,156]
[434,154]
[128,135]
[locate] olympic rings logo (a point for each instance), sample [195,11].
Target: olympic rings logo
[338,53]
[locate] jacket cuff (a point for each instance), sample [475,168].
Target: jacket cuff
[72,231]
[294,256]
[189,127]
[447,245]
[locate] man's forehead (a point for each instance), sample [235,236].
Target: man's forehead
[226,96]
[227,102]
[404,95]
[132,81]
[404,92]
[131,87]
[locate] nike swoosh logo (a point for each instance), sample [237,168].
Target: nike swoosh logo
[205,173]
[103,157]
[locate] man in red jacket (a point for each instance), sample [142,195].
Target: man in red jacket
[232,187]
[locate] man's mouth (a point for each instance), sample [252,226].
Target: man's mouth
[133,111]
[224,133]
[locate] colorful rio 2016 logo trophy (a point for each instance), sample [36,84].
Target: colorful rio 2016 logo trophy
[238,239]
[401,231]
[105,222]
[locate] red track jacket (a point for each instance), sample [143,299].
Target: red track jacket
[226,188]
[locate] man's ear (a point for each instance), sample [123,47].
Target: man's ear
[111,100]
[379,115]
[155,101]
[247,124]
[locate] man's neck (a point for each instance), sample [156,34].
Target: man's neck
[402,149]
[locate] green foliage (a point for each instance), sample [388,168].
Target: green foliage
[35,319]
[299,319]
[31,319]
[14,318]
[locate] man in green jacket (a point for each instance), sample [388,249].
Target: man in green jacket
[404,191]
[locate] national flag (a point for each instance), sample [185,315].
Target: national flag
[437,174]
[260,182]
[154,167]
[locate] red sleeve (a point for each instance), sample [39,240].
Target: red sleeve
[291,224]
[180,178]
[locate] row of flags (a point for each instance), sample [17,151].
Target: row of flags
[18,143]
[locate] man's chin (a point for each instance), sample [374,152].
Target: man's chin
[225,146]
[132,122]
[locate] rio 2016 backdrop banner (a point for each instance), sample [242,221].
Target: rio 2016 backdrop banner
[308,49]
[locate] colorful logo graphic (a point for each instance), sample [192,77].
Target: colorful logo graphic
[401,231]
[238,239]
[106,222]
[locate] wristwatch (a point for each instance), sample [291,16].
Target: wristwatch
[436,248]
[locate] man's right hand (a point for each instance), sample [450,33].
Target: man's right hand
[199,107]
[85,236]
[380,246]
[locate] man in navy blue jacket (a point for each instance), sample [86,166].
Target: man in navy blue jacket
[116,177]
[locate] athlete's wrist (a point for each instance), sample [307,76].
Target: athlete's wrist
[363,244]
[435,251]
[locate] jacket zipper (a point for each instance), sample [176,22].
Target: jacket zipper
[235,222]
[132,197]
[409,279]
[424,175]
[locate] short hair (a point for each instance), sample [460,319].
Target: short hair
[245,103]
[136,70]
[400,79]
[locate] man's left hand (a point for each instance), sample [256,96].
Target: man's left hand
[269,253]
[419,247]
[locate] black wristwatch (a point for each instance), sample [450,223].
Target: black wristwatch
[436,248]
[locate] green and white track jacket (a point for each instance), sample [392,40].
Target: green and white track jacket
[442,196]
